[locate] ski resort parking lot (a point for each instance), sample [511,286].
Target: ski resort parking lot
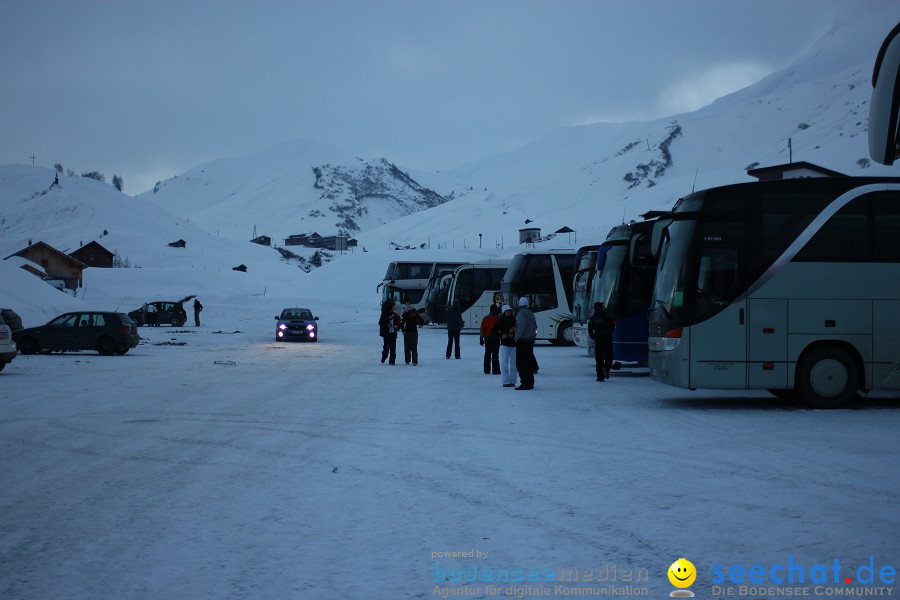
[214,462]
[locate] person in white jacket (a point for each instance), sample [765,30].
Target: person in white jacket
[505,330]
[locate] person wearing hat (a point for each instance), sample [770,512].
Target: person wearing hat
[600,329]
[505,330]
[526,329]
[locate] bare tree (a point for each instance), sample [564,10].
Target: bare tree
[118,182]
[94,175]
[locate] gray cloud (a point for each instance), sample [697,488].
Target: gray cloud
[149,89]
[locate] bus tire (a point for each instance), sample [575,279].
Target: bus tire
[565,334]
[827,377]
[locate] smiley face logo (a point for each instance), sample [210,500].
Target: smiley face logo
[682,573]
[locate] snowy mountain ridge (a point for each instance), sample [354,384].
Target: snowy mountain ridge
[588,177]
[295,187]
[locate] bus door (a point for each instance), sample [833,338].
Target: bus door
[767,342]
[718,340]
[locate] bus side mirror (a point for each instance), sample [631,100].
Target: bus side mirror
[884,109]
[639,252]
[656,239]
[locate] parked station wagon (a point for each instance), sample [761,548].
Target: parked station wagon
[106,332]
[168,312]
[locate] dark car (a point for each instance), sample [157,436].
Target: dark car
[169,312]
[11,318]
[297,324]
[106,332]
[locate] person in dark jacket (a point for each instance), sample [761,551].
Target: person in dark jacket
[526,330]
[490,341]
[388,326]
[411,321]
[505,330]
[197,308]
[600,329]
[454,327]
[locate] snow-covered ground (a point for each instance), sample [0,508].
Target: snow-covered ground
[214,462]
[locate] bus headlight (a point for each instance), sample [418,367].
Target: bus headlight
[666,343]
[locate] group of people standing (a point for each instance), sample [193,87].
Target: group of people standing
[507,338]
[508,341]
[390,324]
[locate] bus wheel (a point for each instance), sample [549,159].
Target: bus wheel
[565,334]
[827,377]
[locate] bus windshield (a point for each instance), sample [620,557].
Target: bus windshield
[472,283]
[580,307]
[607,287]
[668,292]
[403,295]
[531,275]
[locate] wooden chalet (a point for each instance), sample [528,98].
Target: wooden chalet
[58,265]
[94,255]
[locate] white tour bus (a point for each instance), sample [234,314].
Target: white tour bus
[623,283]
[437,292]
[407,281]
[475,287]
[585,268]
[791,286]
[545,278]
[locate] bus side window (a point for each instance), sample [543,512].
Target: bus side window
[844,237]
[886,237]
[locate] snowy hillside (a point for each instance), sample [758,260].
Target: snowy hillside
[80,210]
[592,177]
[587,177]
[293,188]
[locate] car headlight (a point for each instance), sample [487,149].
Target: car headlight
[310,327]
[282,326]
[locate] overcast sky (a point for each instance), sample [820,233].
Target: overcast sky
[148,89]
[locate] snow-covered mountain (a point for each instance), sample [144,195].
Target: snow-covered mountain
[293,188]
[79,210]
[587,177]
